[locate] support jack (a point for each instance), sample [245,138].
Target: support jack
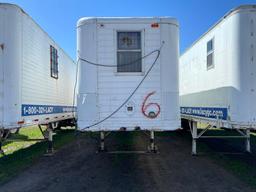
[152,147]
[243,134]
[1,150]
[102,142]
[49,136]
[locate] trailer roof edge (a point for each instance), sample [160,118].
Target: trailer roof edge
[228,14]
[88,20]
[24,12]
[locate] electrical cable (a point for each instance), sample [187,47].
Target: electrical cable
[158,51]
[130,63]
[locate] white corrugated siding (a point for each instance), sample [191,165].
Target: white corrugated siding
[231,83]
[113,88]
[38,87]
[2,26]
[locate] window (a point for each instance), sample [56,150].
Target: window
[54,62]
[210,54]
[129,52]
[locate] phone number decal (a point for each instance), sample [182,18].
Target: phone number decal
[27,110]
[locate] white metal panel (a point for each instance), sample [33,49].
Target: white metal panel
[169,72]
[38,87]
[27,75]
[88,75]
[248,66]
[2,27]
[12,65]
[124,85]
[113,88]
[36,71]
[231,83]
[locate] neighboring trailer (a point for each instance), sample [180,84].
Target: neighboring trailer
[102,89]
[36,76]
[218,75]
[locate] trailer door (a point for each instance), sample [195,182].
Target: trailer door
[2,47]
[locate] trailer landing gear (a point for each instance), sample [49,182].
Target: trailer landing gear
[247,141]
[243,134]
[152,148]
[49,137]
[102,142]
[1,150]
[194,137]
[3,137]
[1,142]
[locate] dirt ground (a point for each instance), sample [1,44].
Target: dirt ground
[77,167]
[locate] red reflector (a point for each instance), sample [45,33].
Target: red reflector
[154,25]
[21,122]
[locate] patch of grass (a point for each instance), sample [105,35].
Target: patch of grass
[241,165]
[21,156]
[24,134]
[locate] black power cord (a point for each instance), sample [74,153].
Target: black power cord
[158,51]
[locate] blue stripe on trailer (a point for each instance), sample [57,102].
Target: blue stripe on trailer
[28,110]
[207,112]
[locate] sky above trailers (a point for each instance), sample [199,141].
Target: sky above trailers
[58,17]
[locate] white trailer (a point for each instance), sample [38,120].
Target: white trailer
[123,84]
[218,76]
[36,76]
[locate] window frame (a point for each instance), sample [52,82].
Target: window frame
[129,50]
[54,64]
[211,52]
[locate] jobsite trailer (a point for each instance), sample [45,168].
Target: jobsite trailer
[36,76]
[218,76]
[128,74]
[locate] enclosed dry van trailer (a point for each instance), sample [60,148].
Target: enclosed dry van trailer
[128,74]
[218,76]
[36,76]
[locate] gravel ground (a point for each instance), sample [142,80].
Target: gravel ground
[77,167]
